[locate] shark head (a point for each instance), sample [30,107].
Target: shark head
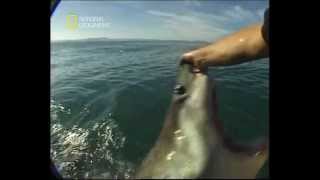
[192,143]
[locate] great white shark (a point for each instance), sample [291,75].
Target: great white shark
[192,143]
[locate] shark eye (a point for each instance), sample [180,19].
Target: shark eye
[179,89]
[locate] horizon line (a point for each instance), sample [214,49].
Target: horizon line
[91,38]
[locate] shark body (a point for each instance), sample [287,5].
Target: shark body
[192,143]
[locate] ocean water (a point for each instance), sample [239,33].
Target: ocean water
[109,99]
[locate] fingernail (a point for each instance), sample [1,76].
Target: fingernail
[195,70]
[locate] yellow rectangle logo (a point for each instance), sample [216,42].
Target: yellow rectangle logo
[72,21]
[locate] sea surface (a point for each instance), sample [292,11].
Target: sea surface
[109,99]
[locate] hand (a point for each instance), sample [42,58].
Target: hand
[201,58]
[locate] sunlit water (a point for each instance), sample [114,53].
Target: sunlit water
[109,99]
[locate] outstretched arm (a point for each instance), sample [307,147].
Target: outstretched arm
[245,45]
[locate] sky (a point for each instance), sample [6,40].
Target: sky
[201,20]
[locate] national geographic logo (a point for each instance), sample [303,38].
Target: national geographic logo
[74,22]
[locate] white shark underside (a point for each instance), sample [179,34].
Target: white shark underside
[192,144]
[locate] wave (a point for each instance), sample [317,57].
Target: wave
[88,152]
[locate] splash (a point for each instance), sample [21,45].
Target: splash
[88,152]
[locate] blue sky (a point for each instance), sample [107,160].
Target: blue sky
[165,20]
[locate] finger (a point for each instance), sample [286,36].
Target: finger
[187,58]
[200,66]
[199,63]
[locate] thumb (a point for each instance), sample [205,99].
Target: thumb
[195,58]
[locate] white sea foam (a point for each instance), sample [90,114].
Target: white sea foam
[69,146]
